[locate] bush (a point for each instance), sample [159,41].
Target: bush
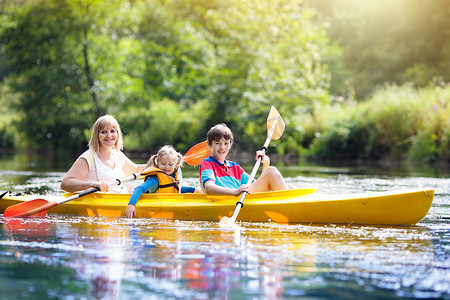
[7,137]
[396,123]
[432,141]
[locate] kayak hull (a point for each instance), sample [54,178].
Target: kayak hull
[405,207]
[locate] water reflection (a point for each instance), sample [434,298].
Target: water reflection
[112,258]
[31,228]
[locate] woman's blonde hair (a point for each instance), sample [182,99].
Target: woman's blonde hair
[165,150]
[106,121]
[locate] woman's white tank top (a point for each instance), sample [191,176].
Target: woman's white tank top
[99,171]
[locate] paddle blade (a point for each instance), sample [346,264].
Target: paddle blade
[32,208]
[226,222]
[196,154]
[273,117]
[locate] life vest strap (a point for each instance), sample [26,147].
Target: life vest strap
[175,184]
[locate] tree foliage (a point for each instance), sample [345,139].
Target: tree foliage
[72,61]
[170,69]
[40,47]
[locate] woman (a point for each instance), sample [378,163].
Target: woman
[103,163]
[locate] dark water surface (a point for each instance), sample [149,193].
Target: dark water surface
[65,257]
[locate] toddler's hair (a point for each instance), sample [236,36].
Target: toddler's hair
[165,150]
[218,132]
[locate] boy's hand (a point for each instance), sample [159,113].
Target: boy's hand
[264,158]
[241,189]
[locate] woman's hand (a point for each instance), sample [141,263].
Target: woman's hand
[198,190]
[103,186]
[131,211]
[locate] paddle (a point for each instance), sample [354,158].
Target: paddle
[40,207]
[275,128]
[197,153]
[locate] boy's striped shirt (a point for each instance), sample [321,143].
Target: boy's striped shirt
[229,174]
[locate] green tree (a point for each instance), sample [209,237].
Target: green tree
[45,72]
[164,66]
[58,55]
[265,53]
[202,61]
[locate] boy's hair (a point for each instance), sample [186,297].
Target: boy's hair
[218,132]
[106,121]
[165,150]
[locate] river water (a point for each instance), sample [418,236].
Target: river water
[67,257]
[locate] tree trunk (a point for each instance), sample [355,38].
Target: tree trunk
[87,69]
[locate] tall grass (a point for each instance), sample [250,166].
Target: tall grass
[398,122]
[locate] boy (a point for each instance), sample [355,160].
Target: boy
[222,177]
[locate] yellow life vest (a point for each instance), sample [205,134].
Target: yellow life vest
[167,183]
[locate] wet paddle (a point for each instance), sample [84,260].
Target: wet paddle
[275,128]
[40,207]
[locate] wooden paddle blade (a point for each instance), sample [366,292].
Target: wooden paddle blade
[32,208]
[273,117]
[196,154]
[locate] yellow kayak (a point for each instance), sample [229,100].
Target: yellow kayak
[404,207]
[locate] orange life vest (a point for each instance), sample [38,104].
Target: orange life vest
[167,183]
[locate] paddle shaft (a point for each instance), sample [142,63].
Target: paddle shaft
[240,203]
[253,174]
[24,209]
[87,192]
[49,205]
